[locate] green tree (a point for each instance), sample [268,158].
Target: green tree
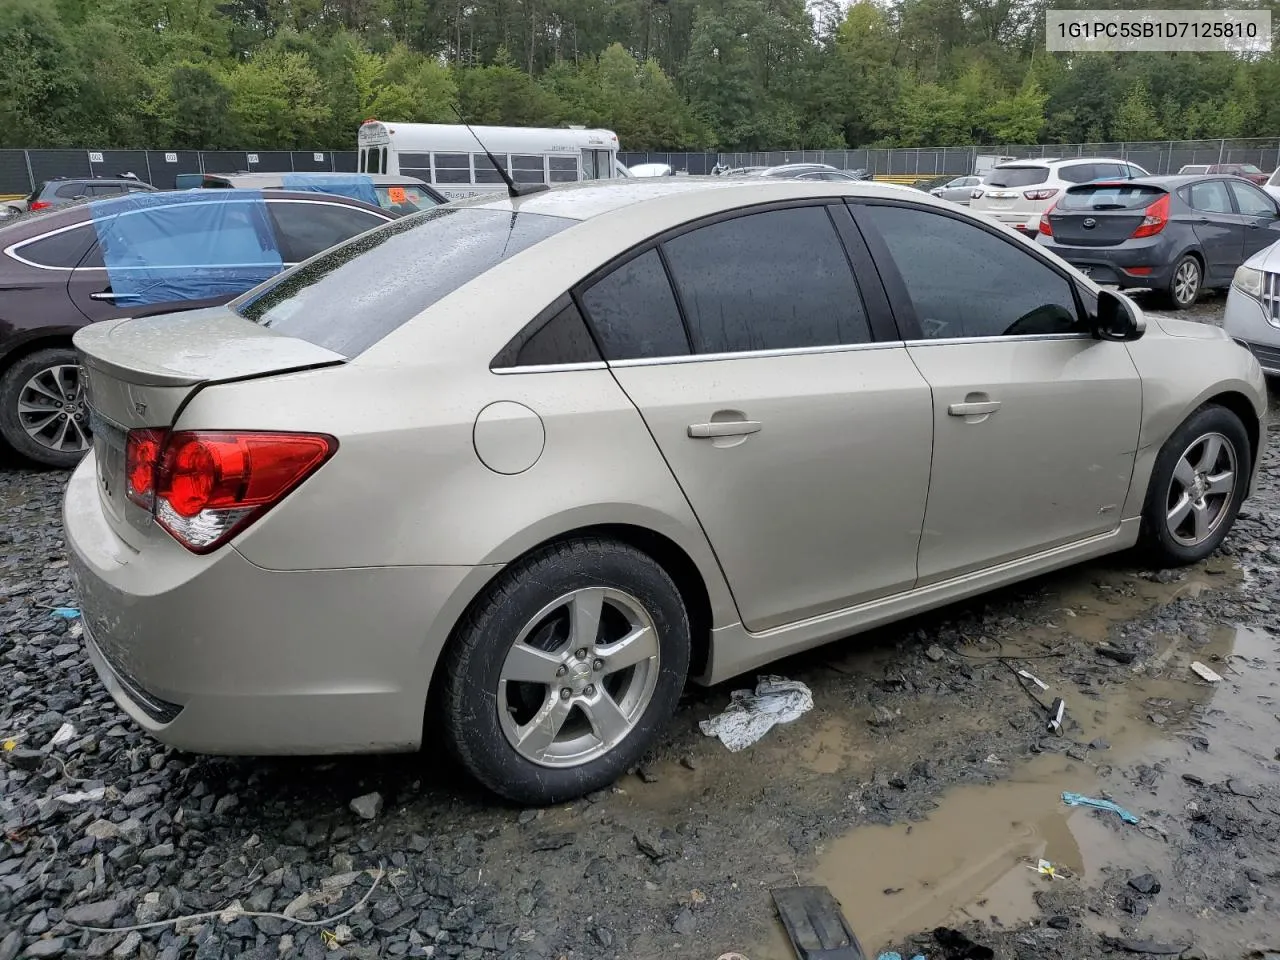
[276,98]
[1136,118]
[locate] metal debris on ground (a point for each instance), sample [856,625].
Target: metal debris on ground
[815,925]
[1034,679]
[1115,653]
[1204,672]
[1078,800]
[750,716]
[1056,712]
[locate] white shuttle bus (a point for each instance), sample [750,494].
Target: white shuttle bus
[447,156]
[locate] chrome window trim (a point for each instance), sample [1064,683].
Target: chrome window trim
[552,367]
[701,357]
[999,338]
[13,248]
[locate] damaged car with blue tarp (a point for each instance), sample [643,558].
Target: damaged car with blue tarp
[134,256]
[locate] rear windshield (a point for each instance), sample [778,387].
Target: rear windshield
[404,198]
[351,297]
[1017,176]
[1247,168]
[1103,197]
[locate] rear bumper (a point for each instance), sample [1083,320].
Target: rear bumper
[1246,320]
[216,655]
[1020,220]
[1112,265]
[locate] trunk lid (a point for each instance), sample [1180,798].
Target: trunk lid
[140,372]
[1101,214]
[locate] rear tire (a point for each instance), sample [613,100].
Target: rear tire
[1200,479]
[43,416]
[1185,284]
[564,671]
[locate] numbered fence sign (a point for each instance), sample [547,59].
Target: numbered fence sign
[170,158]
[318,157]
[253,158]
[95,157]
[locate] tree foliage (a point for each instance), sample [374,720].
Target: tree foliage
[664,74]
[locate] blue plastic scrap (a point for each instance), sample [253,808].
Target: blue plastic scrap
[891,955]
[167,246]
[354,185]
[66,613]
[1078,800]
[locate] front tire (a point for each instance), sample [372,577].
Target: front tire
[43,415]
[565,671]
[1200,479]
[1184,285]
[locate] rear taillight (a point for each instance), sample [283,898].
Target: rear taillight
[1044,194]
[204,487]
[1045,226]
[1157,215]
[39,205]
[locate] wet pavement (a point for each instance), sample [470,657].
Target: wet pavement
[922,788]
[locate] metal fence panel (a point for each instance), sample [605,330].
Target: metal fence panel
[271,161]
[115,163]
[14,177]
[165,165]
[345,161]
[224,161]
[312,161]
[47,164]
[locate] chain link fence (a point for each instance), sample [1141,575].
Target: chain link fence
[21,170]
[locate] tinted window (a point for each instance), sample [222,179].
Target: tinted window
[486,172]
[1210,196]
[453,167]
[1252,201]
[767,281]
[563,169]
[352,297]
[1136,171]
[966,282]
[1080,172]
[562,339]
[304,229]
[416,165]
[1127,197]
[64,249]
[106,189]
[634,311]
[527,169]
[1017,176]
[70,191]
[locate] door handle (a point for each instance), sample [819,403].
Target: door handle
[724,428]
[973,409]
[108,296]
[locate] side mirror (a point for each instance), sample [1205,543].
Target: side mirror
[1118,318]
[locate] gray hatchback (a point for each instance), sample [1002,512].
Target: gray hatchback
[1175,235]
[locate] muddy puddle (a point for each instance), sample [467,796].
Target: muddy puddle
[1132,739]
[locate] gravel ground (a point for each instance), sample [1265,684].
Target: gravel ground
[919,727]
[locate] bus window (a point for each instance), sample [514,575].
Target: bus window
[371,162]
[527,169]
[563,169]
[384,160]
[486,172]
[453,168]
[415,165]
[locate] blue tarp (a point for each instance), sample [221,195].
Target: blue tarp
[164,247]
[354,185]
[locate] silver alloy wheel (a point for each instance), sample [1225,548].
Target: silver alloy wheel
[579,677]
[1201,489]
[51,409]
[1186,282]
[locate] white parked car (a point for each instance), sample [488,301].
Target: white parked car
[1253,305]
[1018,193]
[652,170]
[960,190]
[1272,186]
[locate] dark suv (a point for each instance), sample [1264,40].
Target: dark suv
[133,256]
[61,191]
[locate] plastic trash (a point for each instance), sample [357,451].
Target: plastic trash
[1204,672]
[1034,679]
[66,733]
[750,716]
[66,613]
[1056,713]
[894,955]
[1077,800]
[71,799]
[1045,869]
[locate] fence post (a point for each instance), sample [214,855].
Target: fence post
[31,175]
[146,158]
[1222,148]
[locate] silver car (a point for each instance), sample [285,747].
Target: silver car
[959,190]
[507,473]
[1253,307]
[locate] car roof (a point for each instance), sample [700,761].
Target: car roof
[319,176]
[1050,161]
[593,198]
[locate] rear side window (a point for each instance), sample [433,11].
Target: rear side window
[70,191]
[776,280]
[1127,197]
[1017,176]
[1210,196]
[65,249]
[354,295]
[634,311]
[559,336]
[1084,172]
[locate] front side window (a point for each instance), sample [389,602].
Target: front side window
[1210,197]
[965,282]
[1252,201]
[305,229]
[634,312]
[354,295]
[776,280]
